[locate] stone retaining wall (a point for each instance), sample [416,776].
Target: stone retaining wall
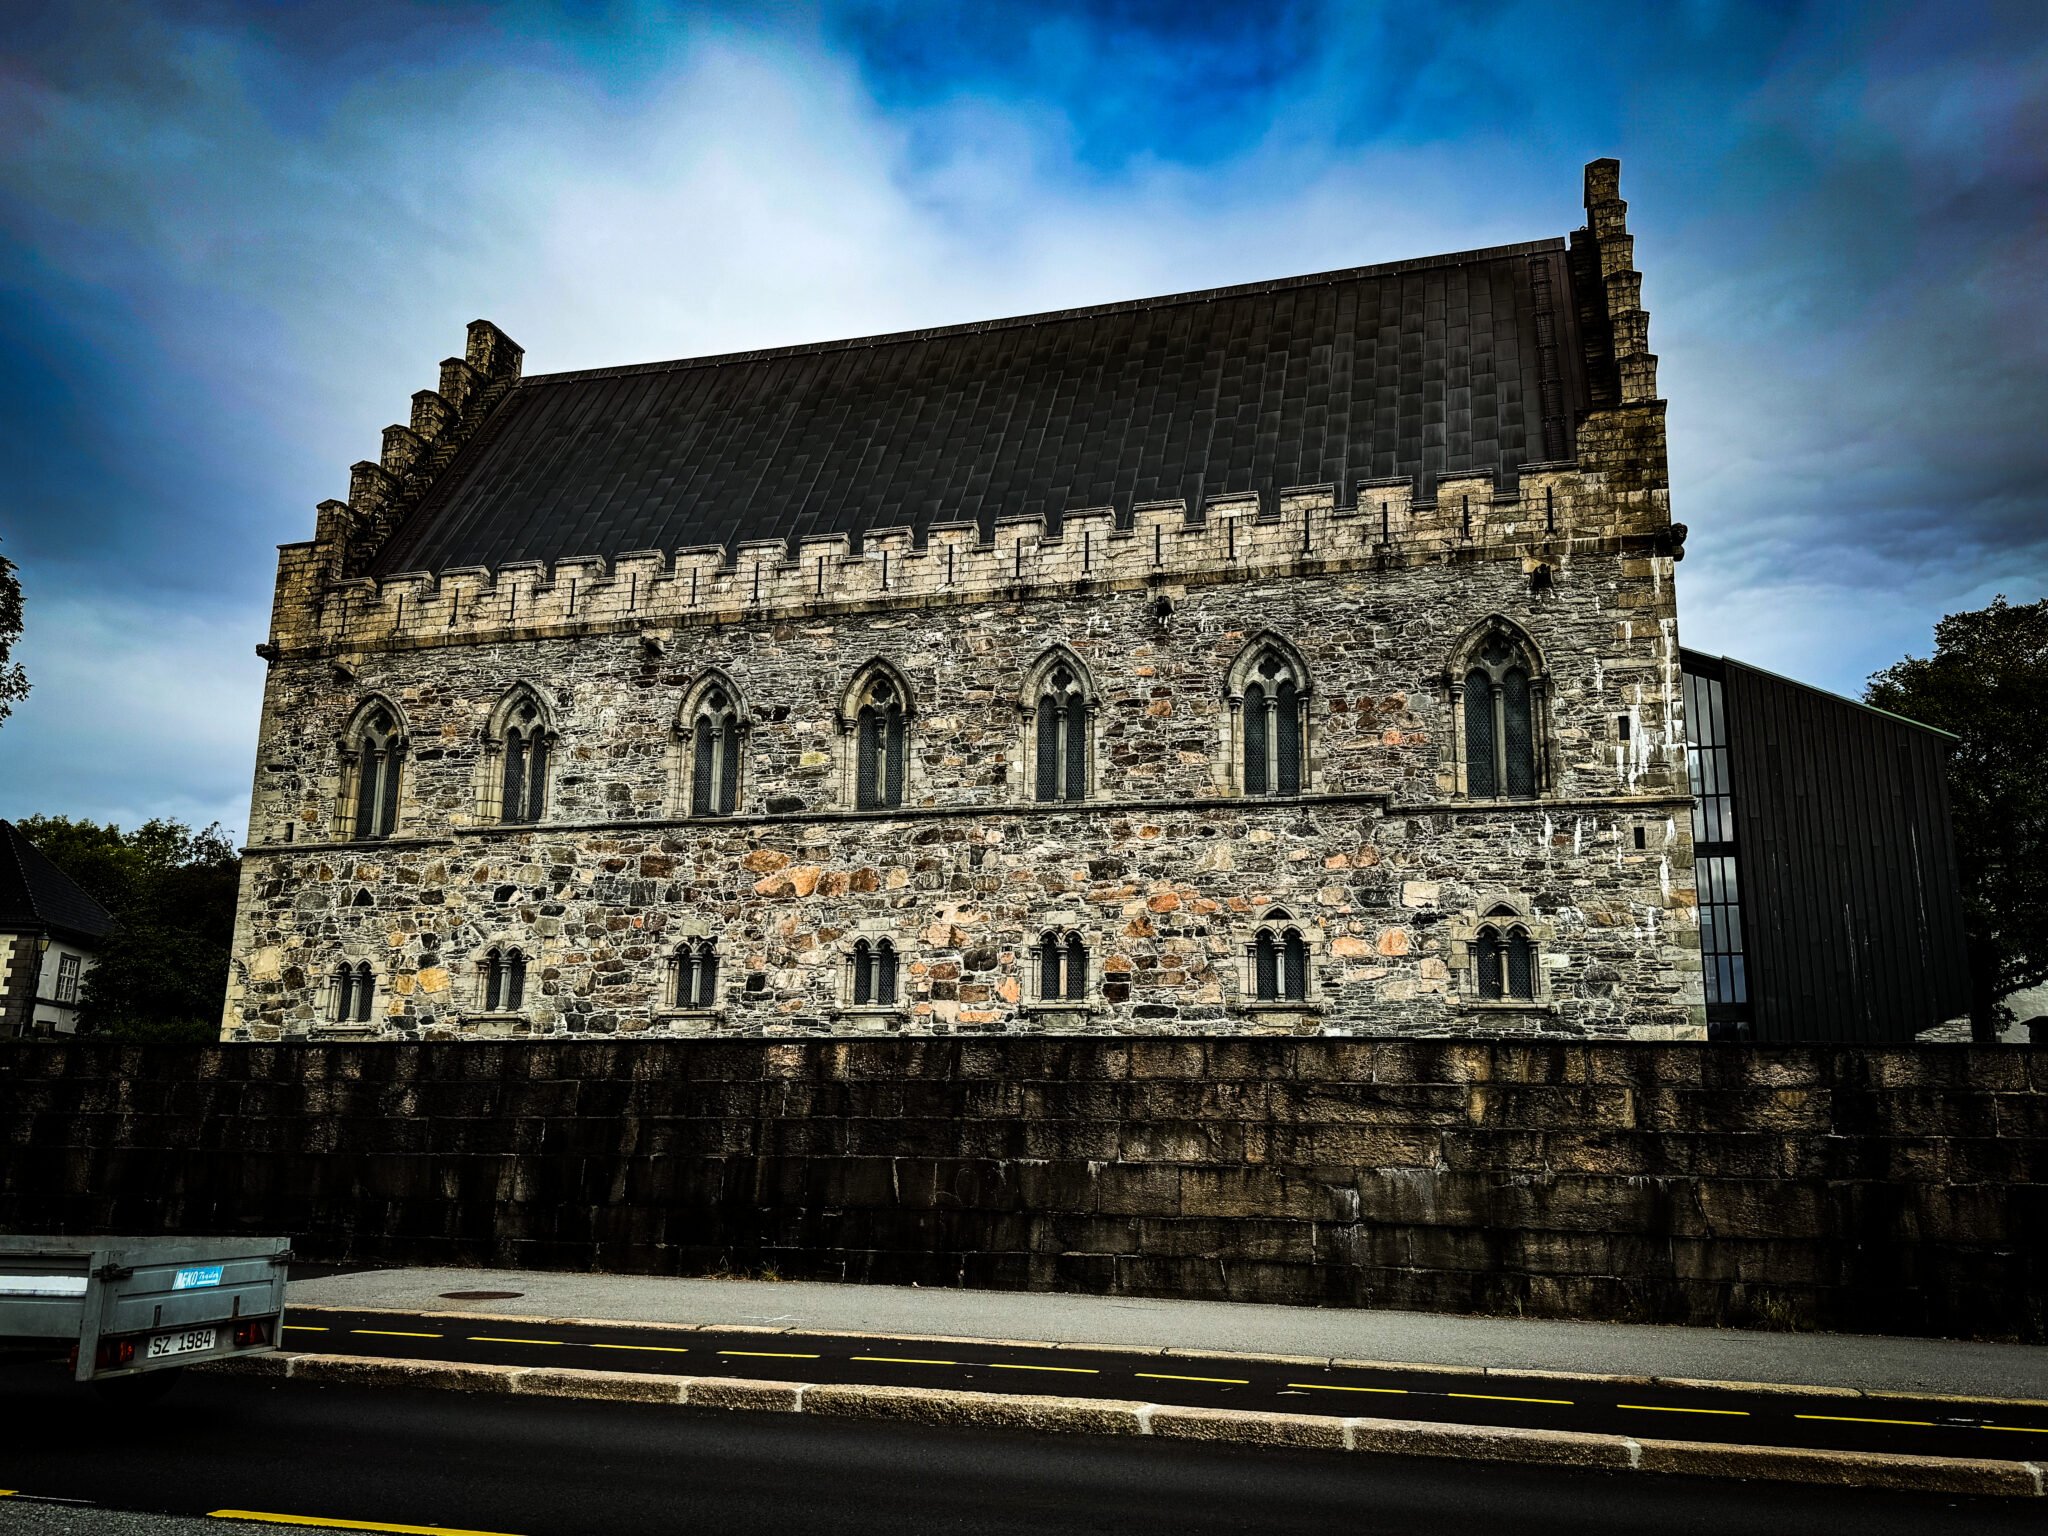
[1852,1189]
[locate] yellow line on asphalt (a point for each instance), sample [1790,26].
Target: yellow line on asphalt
[1733,1413]
[395,1333]
[1843,1418]
[484,1338]
[2015,1429]
[345,1525]
[1227,1381]
[899,1360]
[1065,1370]
[766,1354]
[303,1328]
[1318,1386]
[659,1349]
[1489,1397]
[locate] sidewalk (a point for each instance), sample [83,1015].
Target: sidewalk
[1827,1360]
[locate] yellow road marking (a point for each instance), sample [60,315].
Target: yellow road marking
[1489,1397]
[304,1328]
[1733,1413]
[1065,1370]
[345,1525]
[660,1349]
[1317,1386]
[2015,1429]
[766,1354]
[395,1333]
[1843,1418]
[898,1360]
[1228,1381]
[481,1338]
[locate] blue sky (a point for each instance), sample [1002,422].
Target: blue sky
[235,238]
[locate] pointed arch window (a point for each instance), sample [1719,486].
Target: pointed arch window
[504,979]
[1062,747]
[524,743]
[693,975]
[1061,962]
[1279,962]
[1500,700]
[1505,959]
[715,738]
[879,759]
[353,990]
[874,974]
[375,760]
[1270,691]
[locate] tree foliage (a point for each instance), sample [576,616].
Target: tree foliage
[1987,682]
[163,974]
[13,681]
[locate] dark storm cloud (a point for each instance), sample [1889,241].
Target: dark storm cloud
[235,238]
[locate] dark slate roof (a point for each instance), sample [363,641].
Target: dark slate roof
[34,893]
[1408,369]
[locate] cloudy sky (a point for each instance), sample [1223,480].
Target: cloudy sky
[234,239]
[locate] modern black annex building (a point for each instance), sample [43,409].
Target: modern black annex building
[1824,859]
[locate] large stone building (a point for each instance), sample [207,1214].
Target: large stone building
[1300,656]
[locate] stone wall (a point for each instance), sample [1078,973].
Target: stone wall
[1870,1190]
[1165,869]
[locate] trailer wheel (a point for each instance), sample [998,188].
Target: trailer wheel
[139,1391]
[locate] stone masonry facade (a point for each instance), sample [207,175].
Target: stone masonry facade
[1385,863]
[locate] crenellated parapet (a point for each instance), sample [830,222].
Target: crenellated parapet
[348,534]
[1552,514]
[383,492]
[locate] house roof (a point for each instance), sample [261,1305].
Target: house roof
[34,893]
[1451,363]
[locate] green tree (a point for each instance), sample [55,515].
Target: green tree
[1986,682]
[13,681]
[163,974]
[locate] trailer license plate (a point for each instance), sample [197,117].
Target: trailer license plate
[192,1341]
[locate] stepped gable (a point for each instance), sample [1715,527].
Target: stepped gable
[1469,362]
[34,893]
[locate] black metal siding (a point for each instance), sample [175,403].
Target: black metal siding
[1851,907]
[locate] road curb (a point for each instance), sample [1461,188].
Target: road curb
[1178,1352]
[1107,1416]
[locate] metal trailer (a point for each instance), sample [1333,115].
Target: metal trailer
[130,1306]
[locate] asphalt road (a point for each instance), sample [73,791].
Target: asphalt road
[1900,1426]
[558,1467]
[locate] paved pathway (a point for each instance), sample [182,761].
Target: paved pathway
[1833,1360]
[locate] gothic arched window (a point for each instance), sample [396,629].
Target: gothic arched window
[878,710]
[373,755]
[693,975]
[504,978]
[354,987]
[523,743]
[1269,688]
[1279,961]
[1062,966]
[874,974]
[715,754]
[1506,964]
[1496,687]
[1061,732]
